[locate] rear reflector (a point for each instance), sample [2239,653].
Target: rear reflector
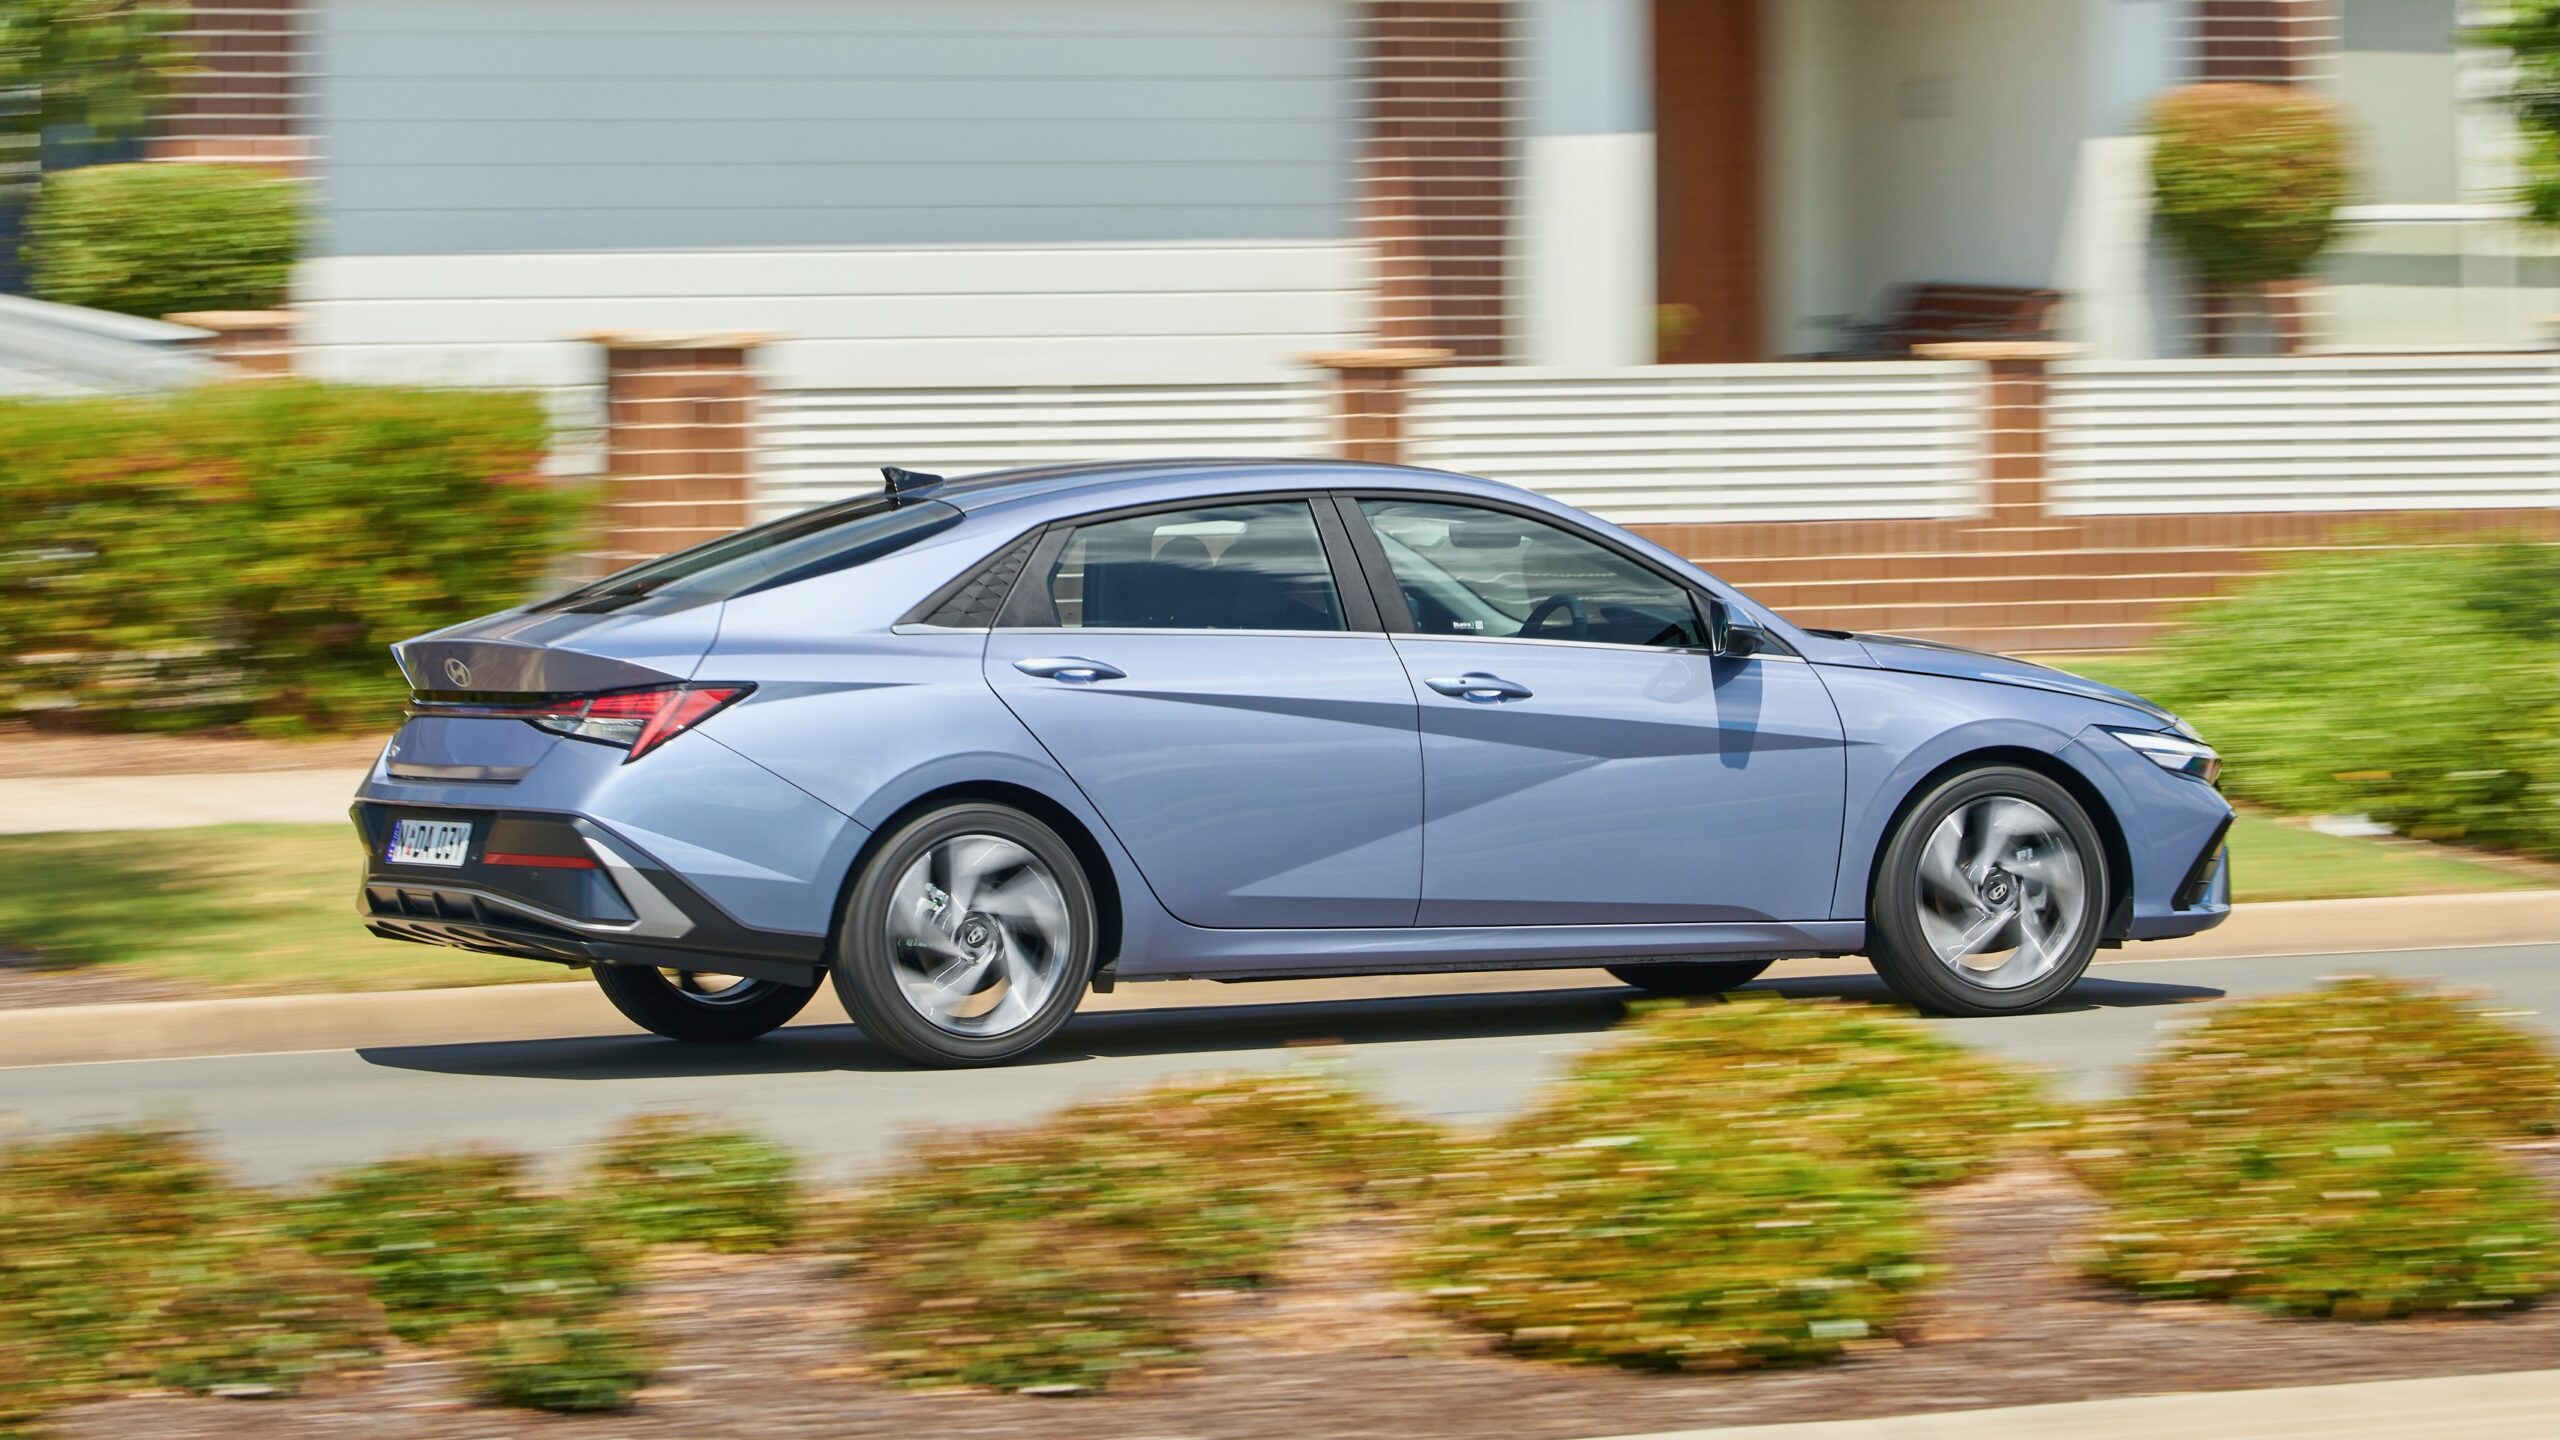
[540,862]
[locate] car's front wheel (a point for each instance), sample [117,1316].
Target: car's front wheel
[1987,901]
[700,1006]
[969,939]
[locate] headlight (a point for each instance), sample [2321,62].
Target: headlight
[2175,752]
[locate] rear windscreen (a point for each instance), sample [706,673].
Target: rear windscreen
[779,552]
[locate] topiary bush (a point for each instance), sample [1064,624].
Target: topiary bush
[1727,1186]
[2411,684]
[131,1260]
[161,239]
[243,553]
[673,1179]
[2247,179]
[2357,1219]
[1055,1255]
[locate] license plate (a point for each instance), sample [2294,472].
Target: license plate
[428,842]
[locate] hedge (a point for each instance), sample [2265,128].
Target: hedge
[2412,684]
[160,239]
[2247,179]
[243,553]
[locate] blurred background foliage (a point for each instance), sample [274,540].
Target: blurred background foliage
[2418,685]
[242,554]
[2530,31]
[2247,179]
[155,239]
[89,67]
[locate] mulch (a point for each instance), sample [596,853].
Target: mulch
[762,1345]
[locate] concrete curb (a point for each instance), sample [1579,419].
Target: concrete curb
[80,1034]
[2513,1406]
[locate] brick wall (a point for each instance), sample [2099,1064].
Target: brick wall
[242,105]
[1434,174]
[2276,42]
[680,441]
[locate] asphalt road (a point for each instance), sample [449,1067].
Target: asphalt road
[826,1091]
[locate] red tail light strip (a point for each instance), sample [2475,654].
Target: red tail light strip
[540,862]
[635,720]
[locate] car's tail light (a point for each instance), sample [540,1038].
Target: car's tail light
[636,720]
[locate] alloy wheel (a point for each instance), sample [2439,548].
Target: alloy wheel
[979,935]
[2003,892]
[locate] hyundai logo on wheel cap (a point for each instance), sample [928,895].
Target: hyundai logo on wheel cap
[458,673]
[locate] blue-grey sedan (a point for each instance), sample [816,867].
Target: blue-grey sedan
[969,748]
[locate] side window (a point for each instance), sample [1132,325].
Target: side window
[1466,571]
[1217,567]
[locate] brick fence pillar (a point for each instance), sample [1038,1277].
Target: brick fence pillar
[255,342]
[1435,169]
[1369,389]
[2015,510]
[679,439]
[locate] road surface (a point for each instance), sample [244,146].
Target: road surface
[825,1091]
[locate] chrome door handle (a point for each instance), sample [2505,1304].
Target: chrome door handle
[1479,687]
[1074,669]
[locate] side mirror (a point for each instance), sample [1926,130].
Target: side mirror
[1719,623]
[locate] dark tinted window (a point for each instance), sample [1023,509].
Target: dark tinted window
[1219,567]
[779,552]
[1465,571]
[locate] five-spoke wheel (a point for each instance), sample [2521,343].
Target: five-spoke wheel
[1988,898]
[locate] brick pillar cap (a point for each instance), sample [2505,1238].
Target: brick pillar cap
[1417,358]
[680,339]
[220,320]
[1995,350]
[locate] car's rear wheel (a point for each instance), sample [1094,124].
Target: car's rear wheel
[1988,899]
[969,939]
[1690,977]
[699,1005]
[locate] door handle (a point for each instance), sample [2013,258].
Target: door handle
[1074,669]
[1479,687]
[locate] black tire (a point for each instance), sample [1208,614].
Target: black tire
[1897,936]
[1690,977]
[867,963]
[675,1007]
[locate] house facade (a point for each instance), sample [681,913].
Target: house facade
[1033,191]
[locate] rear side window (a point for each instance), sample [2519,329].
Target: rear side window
[779,552]
[1217,567]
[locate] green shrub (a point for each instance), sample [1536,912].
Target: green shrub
[677,1180]
[449,1241]
[1053,1255]
[2359,1220]
[1728,1186]
[554,1354]
[1875,1083]
[161,239]
[2247,179]
[2414,685]
[244,552]
[2355,1049]
[130,1260]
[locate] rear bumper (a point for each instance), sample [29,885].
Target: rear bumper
[609,903]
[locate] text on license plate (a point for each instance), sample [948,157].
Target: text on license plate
[428,842]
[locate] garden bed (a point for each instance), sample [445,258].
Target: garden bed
[755,1344]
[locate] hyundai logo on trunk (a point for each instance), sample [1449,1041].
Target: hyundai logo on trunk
[458,673]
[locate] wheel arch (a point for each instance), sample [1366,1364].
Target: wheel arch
[2102,816]
[1109,912]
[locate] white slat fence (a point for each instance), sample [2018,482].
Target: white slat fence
[2401,432]
[821,445]
[1696,443]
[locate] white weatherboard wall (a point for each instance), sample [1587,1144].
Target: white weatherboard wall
[2404,433]
[1665,444]
[911,191]
[821,445]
